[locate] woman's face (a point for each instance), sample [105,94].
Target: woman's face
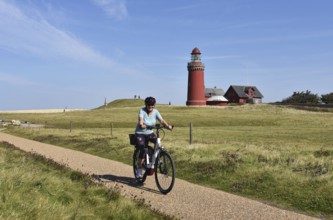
[150,108]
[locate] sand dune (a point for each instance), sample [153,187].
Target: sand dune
[41,111]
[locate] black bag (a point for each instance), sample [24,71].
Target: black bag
[132,138]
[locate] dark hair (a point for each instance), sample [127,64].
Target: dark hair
[150,101]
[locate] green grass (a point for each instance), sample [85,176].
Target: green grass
[32,187]
[276,154]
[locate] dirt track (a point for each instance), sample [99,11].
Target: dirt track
[186,200]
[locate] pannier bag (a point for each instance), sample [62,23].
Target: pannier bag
[132,138]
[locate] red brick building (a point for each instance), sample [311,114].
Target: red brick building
[243,94]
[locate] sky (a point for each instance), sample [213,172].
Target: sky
[77,54]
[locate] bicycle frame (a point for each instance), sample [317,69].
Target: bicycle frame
[157,148]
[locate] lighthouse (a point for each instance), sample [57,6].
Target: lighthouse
[196,85]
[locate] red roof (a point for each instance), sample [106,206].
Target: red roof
[196,51]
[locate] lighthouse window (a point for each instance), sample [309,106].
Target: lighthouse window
[195,57]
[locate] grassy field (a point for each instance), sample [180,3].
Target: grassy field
[33,187]
[275,154]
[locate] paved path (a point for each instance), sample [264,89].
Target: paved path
[186,200]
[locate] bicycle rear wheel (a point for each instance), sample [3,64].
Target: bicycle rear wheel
[164,172]
[136,161]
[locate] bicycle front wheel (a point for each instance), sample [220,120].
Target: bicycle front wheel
[164,172]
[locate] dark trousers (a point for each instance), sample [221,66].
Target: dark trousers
[142,142]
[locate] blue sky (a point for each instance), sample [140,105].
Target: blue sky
[74,54]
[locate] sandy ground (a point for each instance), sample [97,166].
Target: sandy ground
[40,111]
[185,201]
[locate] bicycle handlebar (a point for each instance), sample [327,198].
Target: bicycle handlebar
[159,127]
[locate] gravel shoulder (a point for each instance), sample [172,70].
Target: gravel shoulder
[185,201]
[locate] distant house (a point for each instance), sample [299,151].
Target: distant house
[215,96]
[243,94]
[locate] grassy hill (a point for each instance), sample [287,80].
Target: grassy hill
[122,103]
[271,153]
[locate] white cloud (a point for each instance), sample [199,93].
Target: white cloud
[15,80]
[28,33]
[113,8]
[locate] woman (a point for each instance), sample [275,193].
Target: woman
[147,117]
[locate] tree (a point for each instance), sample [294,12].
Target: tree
[302,98]
[327,98]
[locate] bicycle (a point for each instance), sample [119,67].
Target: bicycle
[156,161]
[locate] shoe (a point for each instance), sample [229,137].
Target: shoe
[139,173]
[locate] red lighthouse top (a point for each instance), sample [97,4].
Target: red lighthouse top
[195,56]
[196,51]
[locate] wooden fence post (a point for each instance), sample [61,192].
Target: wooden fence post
[70,127]
[111,127]
[191,133]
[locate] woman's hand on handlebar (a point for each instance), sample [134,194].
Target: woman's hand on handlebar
[169,127]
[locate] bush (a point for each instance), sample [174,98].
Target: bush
[327,98]
[302,98]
